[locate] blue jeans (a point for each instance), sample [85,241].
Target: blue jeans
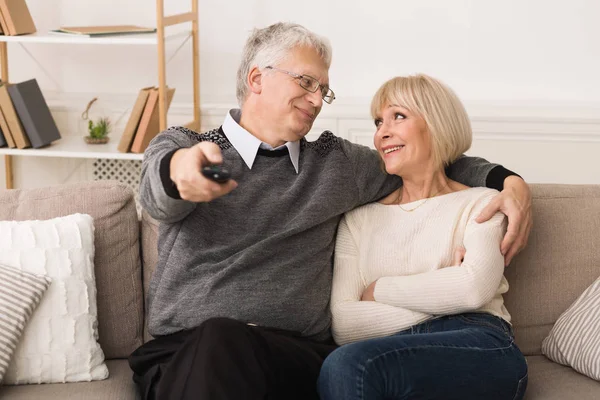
[464,356]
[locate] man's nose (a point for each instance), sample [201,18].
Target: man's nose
[315,99]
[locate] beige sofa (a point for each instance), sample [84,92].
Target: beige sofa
[562,259]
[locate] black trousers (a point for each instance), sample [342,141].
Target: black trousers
[230,360]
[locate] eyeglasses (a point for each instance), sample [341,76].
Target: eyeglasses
[311,84]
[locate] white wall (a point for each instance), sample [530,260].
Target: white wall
[527,69]
[511,50]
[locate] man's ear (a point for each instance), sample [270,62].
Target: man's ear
[255,80]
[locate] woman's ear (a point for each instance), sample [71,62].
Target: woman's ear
[255,80]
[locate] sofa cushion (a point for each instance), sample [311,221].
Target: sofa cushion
[20,294]
[551,381]
[575,338]
[60,343]
[117,261]
[119,386]
[560,261]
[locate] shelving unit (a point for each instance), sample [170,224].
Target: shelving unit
[75,147]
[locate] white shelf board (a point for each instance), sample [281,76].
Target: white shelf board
[130,39]
[75,147]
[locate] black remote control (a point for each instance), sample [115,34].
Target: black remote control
[216,173]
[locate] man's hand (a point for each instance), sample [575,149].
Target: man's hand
[186,166]
[515,202]
[369,293]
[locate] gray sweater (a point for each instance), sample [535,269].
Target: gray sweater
[263,253]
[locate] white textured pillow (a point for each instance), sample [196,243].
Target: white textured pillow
[59,343]
[20,294]
[575,338]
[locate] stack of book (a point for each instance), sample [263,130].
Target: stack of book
[25,119]
[144,122]
[15,18]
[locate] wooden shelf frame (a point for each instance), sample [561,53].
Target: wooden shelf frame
[159,40]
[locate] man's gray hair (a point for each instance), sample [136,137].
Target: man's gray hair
[269,46]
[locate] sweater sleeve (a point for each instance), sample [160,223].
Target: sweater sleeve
[158,195]
[454,289]
[353,319]
[478,172]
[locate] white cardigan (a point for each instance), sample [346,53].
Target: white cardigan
[409,254]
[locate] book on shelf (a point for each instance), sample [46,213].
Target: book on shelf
[10,142]
[149,125]
[3,141]
[134,120]
[12,119]
[34,113]
[16,18]
[3,26]
[97,31]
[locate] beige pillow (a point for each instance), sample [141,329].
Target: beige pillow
[575,338]
[60,342]
[20,294]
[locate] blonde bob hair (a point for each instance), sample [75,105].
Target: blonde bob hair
[446,118]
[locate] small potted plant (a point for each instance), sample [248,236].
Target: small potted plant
[98,131]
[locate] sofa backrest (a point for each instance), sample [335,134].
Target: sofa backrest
[562,258]
[117,263]
[560,261]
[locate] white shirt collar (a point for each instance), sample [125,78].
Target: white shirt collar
[247,145]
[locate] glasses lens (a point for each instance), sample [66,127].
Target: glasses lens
[328,95]
[309,83]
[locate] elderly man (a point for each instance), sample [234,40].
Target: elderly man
[239,302]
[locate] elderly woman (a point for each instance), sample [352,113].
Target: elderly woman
[418,283]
